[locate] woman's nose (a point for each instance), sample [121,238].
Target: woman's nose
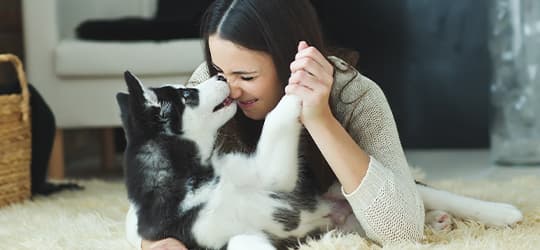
[236,91]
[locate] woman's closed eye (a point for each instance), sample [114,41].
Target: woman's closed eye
[247,78]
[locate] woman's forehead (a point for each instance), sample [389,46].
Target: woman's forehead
[228,56]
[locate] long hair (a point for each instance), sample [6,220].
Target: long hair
[274,27]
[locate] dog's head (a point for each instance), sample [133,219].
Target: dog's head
[174,109]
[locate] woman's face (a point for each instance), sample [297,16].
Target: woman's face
[251,76]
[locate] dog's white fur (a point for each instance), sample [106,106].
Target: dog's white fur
[240,205]
[247,182]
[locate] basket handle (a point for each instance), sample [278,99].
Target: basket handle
[25,104]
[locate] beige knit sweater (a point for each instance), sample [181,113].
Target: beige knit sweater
[386,203]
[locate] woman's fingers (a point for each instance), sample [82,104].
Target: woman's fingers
[311,80]
[307,80]
[313,68]
[311,52]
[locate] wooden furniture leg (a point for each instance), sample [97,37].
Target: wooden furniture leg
[56,162]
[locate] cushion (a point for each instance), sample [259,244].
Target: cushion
[96,58]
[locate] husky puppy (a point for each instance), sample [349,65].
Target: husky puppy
[181,188]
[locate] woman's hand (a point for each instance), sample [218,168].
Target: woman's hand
[165,244]
[311,79]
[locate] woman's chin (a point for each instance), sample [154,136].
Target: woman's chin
[253,115]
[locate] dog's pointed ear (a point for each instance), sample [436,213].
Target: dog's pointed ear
[123,102]
[135,87]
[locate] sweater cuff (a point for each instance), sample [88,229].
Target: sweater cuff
[376,177]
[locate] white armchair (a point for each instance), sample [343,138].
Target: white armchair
[79,79]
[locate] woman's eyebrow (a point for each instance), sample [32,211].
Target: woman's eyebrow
[241,72]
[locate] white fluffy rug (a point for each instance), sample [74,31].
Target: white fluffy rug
[94,219]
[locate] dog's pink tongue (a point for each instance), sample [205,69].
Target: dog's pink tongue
[228,101]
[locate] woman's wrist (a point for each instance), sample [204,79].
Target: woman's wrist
[327,121]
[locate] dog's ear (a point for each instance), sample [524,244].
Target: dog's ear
[123,102]
[135,87]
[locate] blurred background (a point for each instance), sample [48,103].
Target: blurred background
[431,58]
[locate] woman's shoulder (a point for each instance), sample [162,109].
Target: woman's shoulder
[349,84]
[200,74]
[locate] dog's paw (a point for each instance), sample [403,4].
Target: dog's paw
[289,107]
[287,111]
[439,220]
[501,214]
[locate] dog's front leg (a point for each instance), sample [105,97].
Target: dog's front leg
[255,241]
[276,157]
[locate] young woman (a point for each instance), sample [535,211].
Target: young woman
[266,49]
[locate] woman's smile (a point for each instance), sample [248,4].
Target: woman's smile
[247,104]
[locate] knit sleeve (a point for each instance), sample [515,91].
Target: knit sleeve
[200,74]
[386,202]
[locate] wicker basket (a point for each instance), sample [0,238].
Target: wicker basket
[15,139]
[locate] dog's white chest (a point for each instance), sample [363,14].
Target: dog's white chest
[231,211]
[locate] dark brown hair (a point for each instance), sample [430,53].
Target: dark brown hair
[274,27]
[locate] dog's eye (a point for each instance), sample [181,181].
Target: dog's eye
[190,96]
[186,94]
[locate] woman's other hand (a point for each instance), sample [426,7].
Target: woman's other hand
[165,244]
[312,76]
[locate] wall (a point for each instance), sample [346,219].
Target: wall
[431,59]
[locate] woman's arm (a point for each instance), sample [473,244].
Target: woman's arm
[382,194]
[386,201]
[348,161]
[200,74]
[311,79]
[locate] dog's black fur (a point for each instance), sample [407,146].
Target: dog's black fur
[158,216]
[151,132]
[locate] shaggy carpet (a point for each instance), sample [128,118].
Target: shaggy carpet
[94,219]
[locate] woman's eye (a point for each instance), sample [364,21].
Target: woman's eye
[247,78]
[221,78]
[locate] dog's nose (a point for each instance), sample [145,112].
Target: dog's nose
[221,78]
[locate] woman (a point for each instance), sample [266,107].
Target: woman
[266,49]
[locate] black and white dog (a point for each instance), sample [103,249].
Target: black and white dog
[182,189]
[179,187]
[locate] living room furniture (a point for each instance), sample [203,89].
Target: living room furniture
[79,79]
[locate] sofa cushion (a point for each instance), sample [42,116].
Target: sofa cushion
[96,58]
